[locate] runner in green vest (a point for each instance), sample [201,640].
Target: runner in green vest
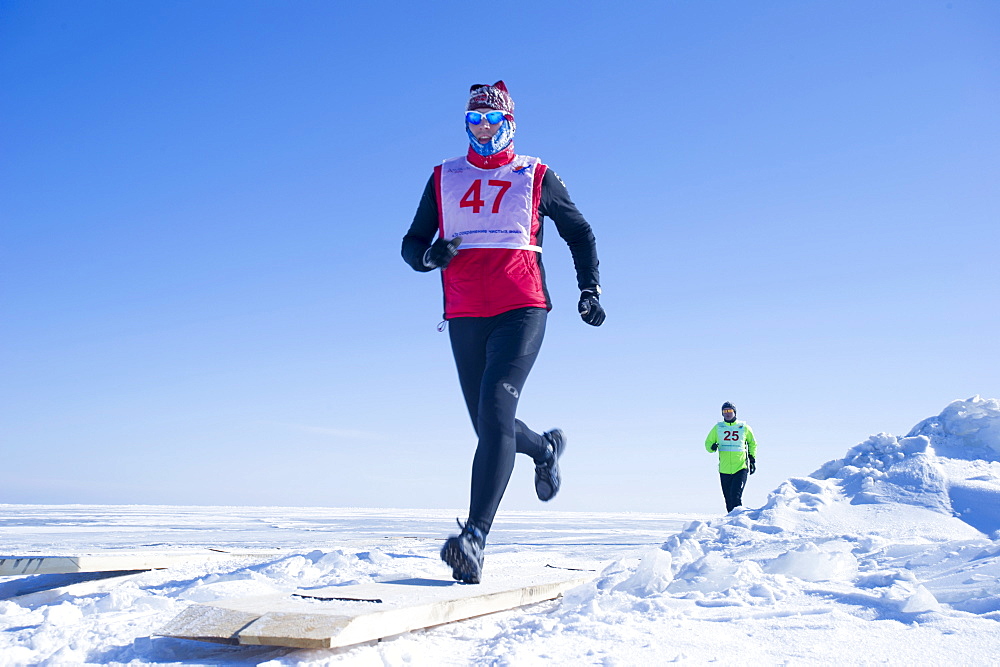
[737,451]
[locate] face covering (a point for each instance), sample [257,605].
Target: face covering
[500,140]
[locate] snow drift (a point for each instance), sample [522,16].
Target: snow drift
[900,528]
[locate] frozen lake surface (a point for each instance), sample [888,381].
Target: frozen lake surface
[890,554]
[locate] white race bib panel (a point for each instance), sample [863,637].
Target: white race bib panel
[732,437]
[489,208]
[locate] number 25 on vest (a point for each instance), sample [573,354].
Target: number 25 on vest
[473,197]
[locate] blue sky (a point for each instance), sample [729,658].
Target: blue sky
[202,299]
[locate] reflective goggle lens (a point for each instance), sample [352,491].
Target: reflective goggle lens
[475,118]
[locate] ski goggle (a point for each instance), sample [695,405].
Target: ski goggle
[492,117]
[729,411]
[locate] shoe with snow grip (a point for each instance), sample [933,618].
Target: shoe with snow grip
[464,554]
[547,478]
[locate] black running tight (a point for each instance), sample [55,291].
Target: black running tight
[732,488]
[494,356]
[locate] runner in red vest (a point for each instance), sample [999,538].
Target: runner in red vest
[486,210]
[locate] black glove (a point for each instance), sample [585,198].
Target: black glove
[590,308]
[715,446]
[440,254]
[753,463]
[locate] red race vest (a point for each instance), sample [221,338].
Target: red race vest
[495,213]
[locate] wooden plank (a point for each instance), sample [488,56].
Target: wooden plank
[117,561]
[209,624]
[331,630]
[344,615]
[43,588]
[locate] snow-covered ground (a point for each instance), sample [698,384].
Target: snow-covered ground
[891,554]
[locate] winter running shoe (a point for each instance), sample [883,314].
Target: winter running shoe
[547,473]
[464,553]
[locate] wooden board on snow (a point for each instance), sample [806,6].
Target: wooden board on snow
[43,588]
[119,560]
[339,616]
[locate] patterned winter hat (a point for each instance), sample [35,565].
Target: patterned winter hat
[482,95]
[494,97]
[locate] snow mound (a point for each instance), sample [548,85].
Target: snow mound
[968,430]
[811,563]
[887,469]
[949,463]
[894,530]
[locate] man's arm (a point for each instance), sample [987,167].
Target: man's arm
[712,441]
[572,227]
[422,230]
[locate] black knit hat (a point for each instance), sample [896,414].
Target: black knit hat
[729,405]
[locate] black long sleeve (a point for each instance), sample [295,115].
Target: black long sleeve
[572,227]
[555,204]
[422,230]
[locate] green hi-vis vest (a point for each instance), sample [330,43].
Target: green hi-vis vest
[735,441]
